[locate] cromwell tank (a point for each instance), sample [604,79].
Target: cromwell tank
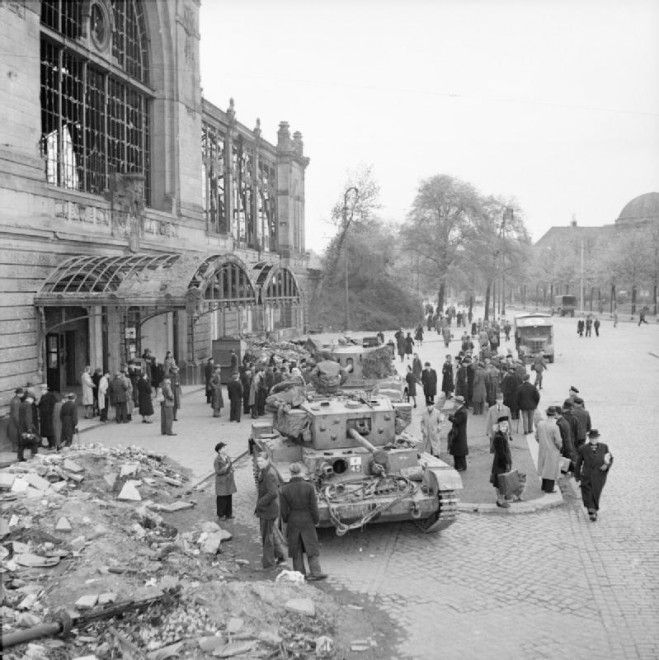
[366,468]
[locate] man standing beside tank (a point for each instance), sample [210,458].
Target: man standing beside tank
[528,399]
[550,444]
[267,511]
[299,510]
[457,437]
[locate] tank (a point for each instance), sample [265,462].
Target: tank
[366,468]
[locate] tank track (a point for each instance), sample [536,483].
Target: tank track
[443,517]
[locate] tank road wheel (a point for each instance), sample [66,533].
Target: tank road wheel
[443,517]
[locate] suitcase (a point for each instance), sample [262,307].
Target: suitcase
[509,482]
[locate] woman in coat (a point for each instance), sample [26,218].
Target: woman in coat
[591,470]
[217,399]
[411,384]
[225,485]
[400,345]
[457,445]
[447,377]
[461,380]
[417,367]
[502,461]
[88,392]
[299,510]
[418,334]
[144,401]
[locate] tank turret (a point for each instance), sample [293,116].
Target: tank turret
[365,466]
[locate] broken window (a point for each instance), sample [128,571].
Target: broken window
[94,119]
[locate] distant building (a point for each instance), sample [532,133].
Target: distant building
[133,213]
[639,214]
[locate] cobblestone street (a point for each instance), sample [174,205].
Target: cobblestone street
[539,585]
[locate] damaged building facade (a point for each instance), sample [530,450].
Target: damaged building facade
[134,214]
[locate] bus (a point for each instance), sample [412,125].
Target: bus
[534,335]
[565,305]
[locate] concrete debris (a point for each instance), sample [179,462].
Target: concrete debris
[294,577]
[6,480]
[78,543]
[233,649]
[27,620]
[63,525]
[72,466]
[211,543]
[87,602]
[304,606]
[270,638]
[129,469]
[234,625]
[129,492]
[111,479]
[19,485]
[105,599]
[35,561]
[36,481]
[210,644]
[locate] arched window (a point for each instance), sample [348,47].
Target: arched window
[94,93]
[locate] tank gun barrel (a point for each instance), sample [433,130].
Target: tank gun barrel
[358,437]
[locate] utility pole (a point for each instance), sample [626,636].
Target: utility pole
[346,225]
[582,280]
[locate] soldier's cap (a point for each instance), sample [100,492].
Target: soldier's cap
[574,389]
[503,418]
[578,400]
[19,390]
[567,404]
[427,364]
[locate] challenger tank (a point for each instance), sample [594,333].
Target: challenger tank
[365,467]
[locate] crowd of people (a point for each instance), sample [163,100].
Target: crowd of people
[484,381]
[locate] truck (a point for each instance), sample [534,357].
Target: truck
[565,305]
[534,335]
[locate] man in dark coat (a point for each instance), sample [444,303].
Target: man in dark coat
[176,390]
[511,381]
[46,410]
[235,392]
[209,370]
[69,417]
[246,381]
[299,510]
[429,382]
[447,377]
[144,400]
[267,511]
[14,408]
[28,434]
[568,416]
[591,470]
[457,439]
[568,449]
[119,398]
[583,418]
[528,399]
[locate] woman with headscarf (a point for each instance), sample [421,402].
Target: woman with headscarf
[225,485]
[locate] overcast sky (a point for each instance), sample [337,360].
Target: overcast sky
[553,102]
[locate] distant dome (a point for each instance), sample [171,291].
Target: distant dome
[641,209]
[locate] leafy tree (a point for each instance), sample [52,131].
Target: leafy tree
[439,226]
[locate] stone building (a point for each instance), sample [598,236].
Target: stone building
[133,213]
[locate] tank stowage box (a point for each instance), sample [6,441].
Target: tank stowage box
[365,468]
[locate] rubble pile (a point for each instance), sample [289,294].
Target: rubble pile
[89,548]
[263,351]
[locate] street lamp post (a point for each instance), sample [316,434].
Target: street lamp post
[346,225]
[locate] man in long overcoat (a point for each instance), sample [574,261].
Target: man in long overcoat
[14,407]
[550,444]
[216,392]
[511,381]
[119,398]
[429,382]
[583,419]
[447,377]
[267,511]
[69,417]
[46,409]
[28,430]
[299,510]
[458,446]
[527,399]
[591,470]
[431,427]
[225,484]
[499,409]
[235,392]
